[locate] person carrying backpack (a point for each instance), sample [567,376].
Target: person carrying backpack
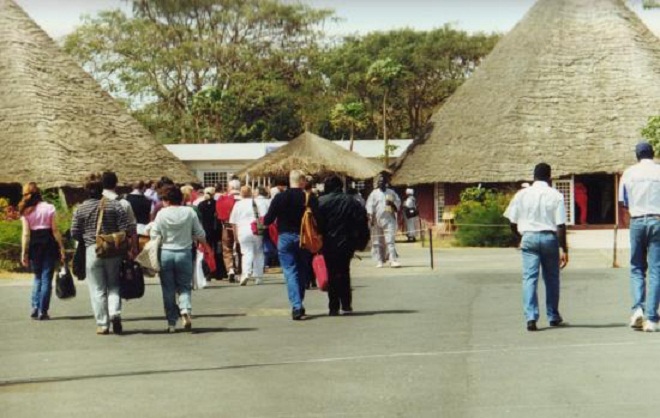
[288,208]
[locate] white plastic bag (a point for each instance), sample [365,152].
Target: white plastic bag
[199,280]
[148,257]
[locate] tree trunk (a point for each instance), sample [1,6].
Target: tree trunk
[385,140]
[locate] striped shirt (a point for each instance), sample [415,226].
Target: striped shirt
[115,219]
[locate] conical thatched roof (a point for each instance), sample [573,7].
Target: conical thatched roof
[572,85]
[314,155]
[57,124]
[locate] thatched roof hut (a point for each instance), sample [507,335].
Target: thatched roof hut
[314,155]
[57,124]
[572,85]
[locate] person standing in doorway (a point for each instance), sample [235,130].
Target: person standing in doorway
[538,219]
[382,206]
[411,213]
[640,193]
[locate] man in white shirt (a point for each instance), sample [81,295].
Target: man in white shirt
[538,217]
[382,206]
[639,191]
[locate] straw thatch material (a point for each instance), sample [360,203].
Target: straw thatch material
[572,85]
[314,155]
[57,124]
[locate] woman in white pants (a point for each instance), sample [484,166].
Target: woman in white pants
[244,213]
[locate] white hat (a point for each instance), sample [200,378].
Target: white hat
[410,192]
[234,184]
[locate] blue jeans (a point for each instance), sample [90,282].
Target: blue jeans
[176,272]
[42,286]
[540,251]
[294,266]
[645,256]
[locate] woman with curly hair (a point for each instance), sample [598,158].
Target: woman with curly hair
[41,246]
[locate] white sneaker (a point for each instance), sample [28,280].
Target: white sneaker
[637,319]
[258,281]
[395,264]
[244,280]
[379,265]
[650,326]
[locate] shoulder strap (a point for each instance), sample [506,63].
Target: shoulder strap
[99,219]
[307,199]
[254,209]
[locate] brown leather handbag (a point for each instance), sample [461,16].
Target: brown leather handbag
[109,245]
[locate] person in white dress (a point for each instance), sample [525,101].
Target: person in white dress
[243,214]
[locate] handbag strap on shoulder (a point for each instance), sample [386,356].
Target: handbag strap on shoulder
[99,219]
[255,210]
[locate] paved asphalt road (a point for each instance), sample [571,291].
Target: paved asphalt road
[448,343]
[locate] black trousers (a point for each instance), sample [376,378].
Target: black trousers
[339,281]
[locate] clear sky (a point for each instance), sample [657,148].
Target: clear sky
[59,17]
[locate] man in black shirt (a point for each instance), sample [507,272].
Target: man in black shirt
[288,208]
[345,230]
[140,204]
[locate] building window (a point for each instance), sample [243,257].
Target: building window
[565,187]
[212,178]
[439,202]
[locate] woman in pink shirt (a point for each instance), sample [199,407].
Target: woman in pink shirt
[41,246]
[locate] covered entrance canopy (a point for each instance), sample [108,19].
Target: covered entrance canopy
[314,155]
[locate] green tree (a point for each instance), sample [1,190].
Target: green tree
[205,70]
[350,116]
[384,74]
[652,132]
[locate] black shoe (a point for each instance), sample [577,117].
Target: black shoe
[333,313]
[531,326]
[557,322]
[116,325]
[298,315]
[232,277]
[34,314]
[347,311]
[44,316]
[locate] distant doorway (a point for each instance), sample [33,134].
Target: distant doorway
[595,201]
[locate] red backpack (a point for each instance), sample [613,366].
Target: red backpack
[224,205]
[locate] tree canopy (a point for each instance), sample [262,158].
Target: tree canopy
[261,70]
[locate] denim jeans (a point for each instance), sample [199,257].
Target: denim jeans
[176,271]
[645,256]
[103,284]
[540,252]
[294,266]
[42,285]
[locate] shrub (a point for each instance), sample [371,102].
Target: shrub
[480,221]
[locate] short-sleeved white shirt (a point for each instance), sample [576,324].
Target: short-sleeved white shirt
[639,189]
[537,208]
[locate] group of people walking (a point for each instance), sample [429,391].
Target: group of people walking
[538,219]
[180,223]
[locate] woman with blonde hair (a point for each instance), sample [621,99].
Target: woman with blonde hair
[245,212]
[41,244]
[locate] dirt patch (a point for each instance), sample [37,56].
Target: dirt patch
[4,274]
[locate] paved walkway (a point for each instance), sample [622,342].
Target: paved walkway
[447,343]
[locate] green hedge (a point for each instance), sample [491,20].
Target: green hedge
[480,221]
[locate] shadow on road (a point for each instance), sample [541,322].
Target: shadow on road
[202,330]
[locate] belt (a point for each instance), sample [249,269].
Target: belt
[540,232]
[651,215]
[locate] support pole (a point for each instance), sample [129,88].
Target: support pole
[431,248]
[615,263]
